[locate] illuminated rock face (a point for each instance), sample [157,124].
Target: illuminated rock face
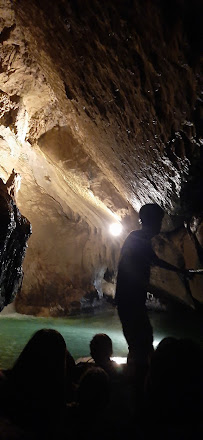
[100,113]
[181,248]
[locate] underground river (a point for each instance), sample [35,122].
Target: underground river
[16,330]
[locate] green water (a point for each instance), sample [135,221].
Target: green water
[16,330]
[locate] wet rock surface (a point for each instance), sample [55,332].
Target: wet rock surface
[15,231]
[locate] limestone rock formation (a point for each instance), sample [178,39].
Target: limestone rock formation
[178,247]
[100,113]
[14,233]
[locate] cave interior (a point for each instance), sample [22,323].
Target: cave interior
[100,113]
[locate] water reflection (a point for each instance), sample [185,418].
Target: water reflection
[16,330]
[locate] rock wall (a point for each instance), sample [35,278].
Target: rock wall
[15,231]
[100,113]
[178,247]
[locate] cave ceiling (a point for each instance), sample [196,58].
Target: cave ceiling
[100,113]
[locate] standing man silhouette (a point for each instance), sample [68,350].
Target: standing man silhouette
[136,258]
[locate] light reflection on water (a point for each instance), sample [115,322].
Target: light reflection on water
[16,330]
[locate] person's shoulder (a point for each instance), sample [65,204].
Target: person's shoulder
[130,242]
[134,235]
[135,241]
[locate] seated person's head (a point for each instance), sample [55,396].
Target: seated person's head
[101,347]
[93,389]
[41,366]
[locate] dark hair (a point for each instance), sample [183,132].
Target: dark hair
[40,368]
[93,389]
[151,213]
[101,346]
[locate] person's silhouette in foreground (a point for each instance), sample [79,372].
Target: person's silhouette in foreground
[34,394]
[175,380]
[101,350]
[137,255]
[89,408]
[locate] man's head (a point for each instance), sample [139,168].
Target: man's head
[151,216]
[101,347]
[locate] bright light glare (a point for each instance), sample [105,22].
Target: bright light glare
[156,342]
[115,229]
[119,360]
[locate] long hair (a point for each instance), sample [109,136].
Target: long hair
[39,371]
